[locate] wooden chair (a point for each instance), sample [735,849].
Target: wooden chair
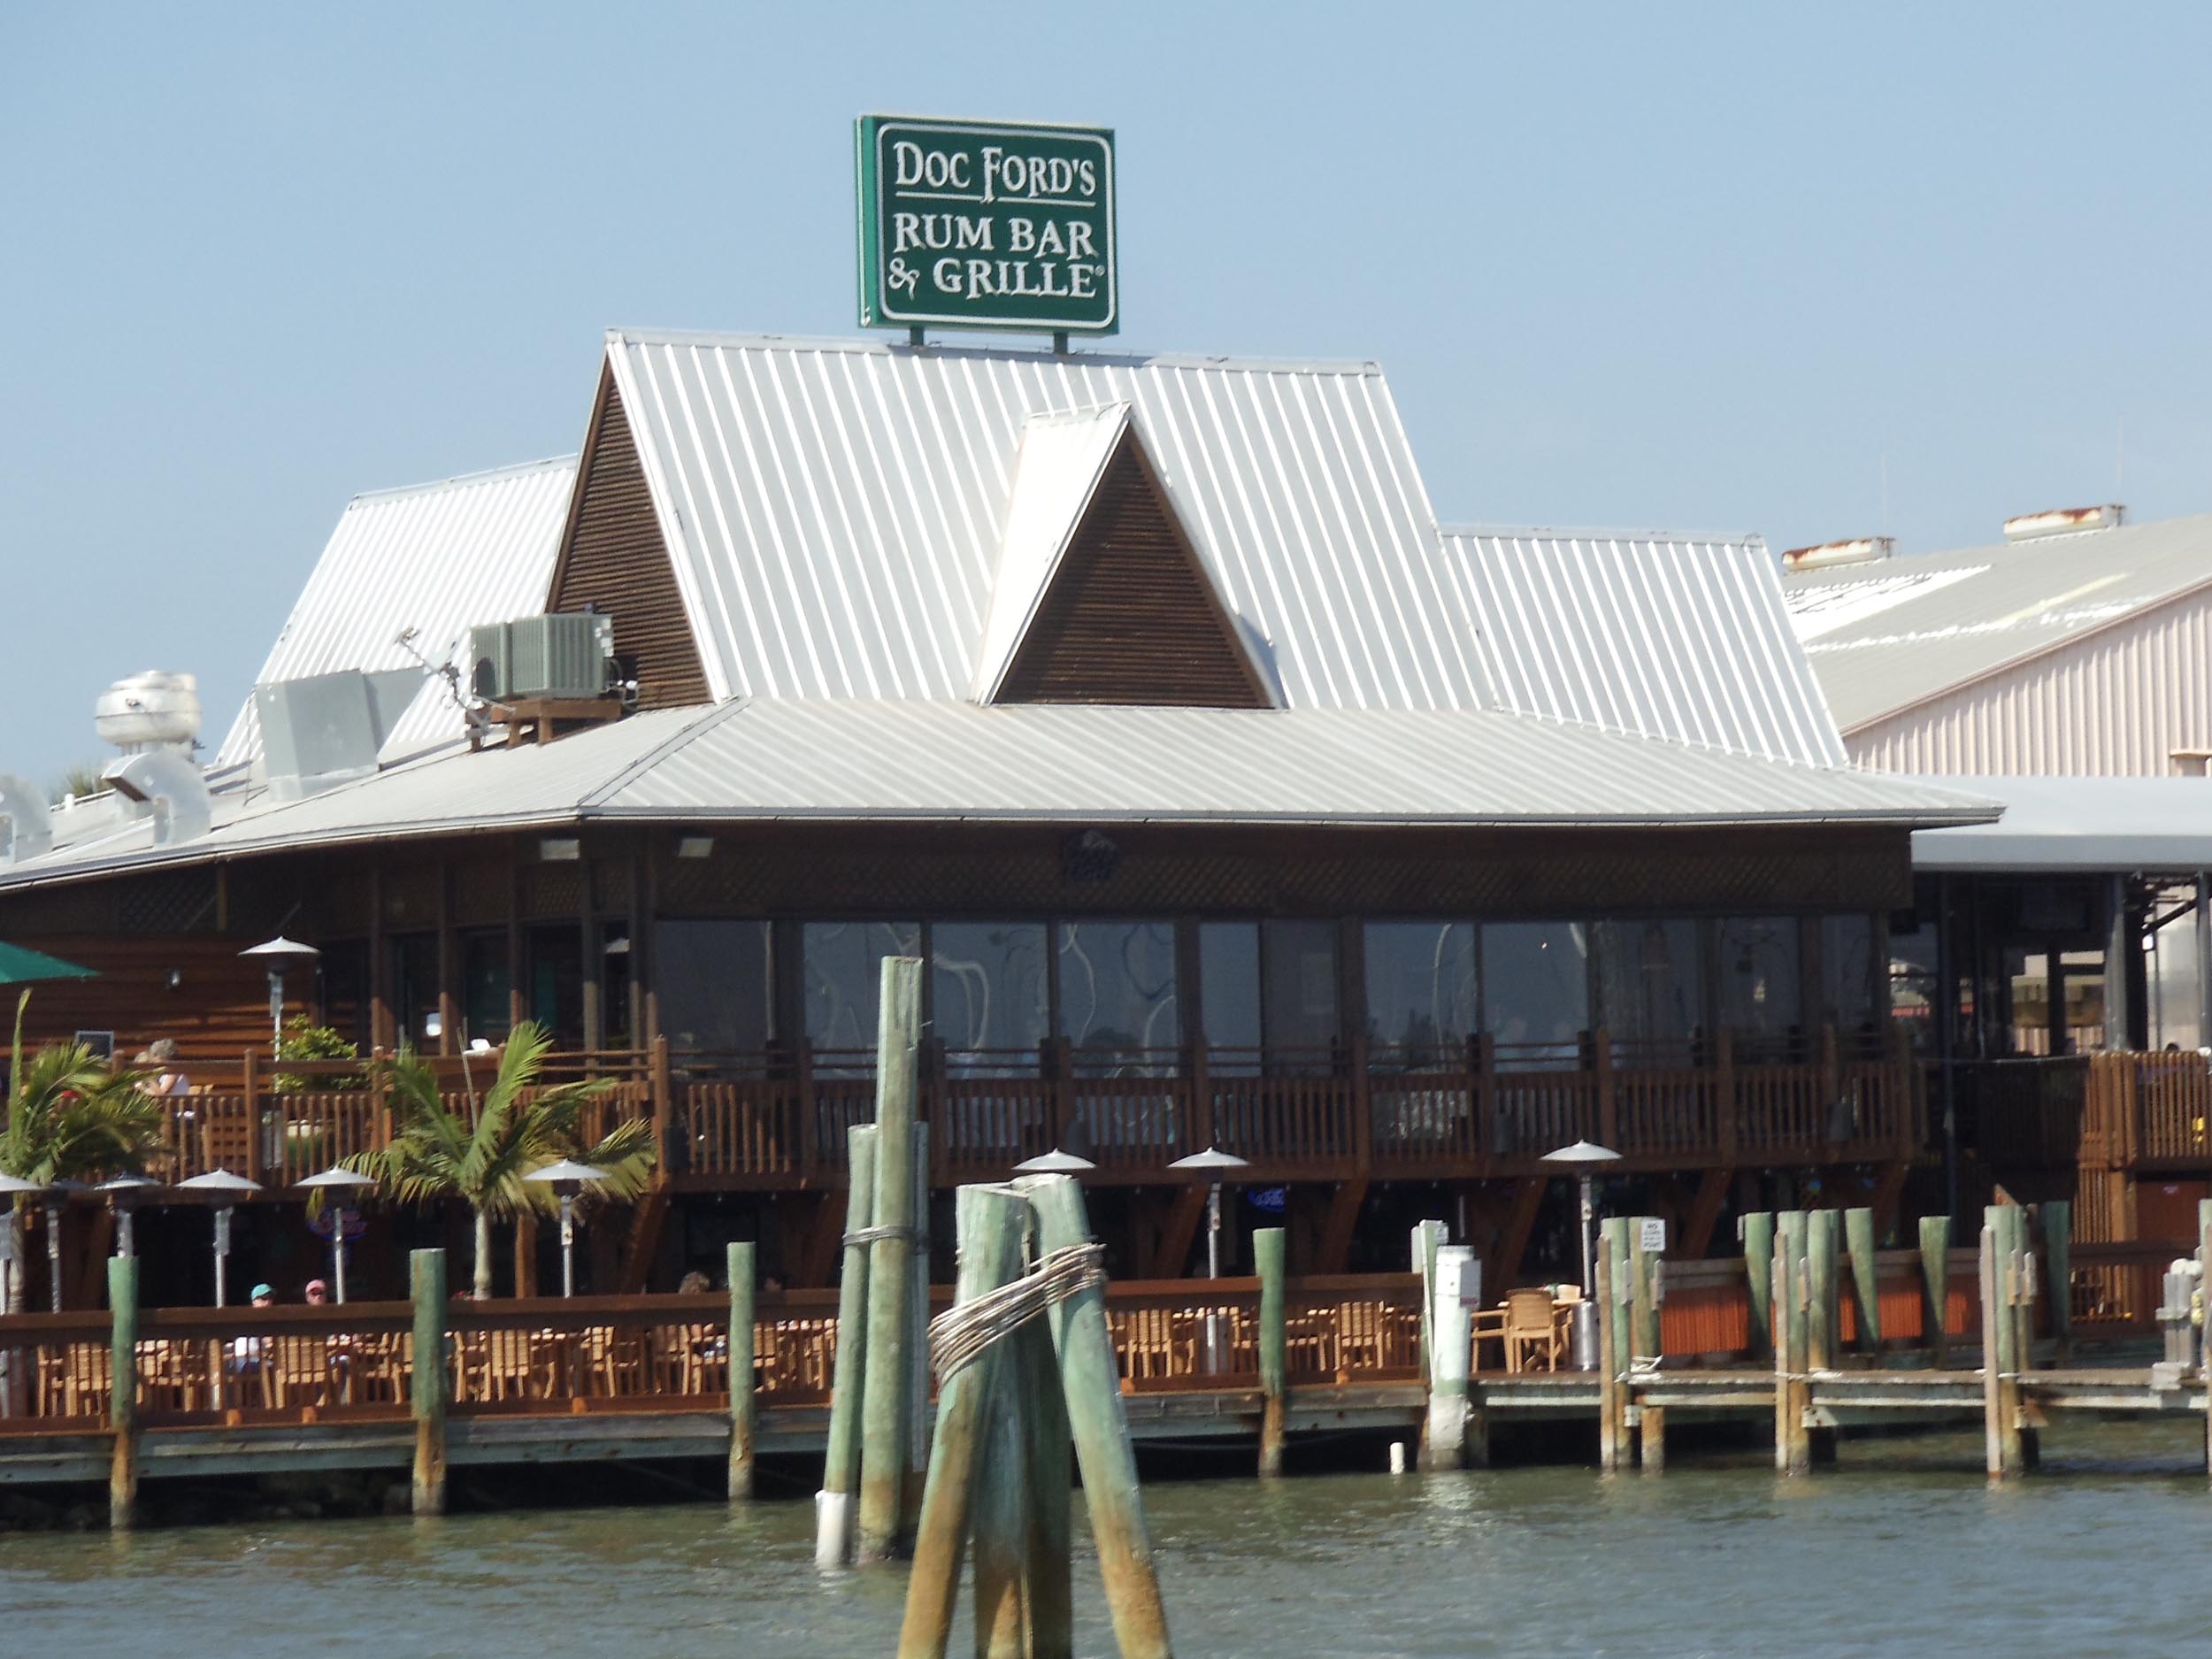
[1488,1326]
[1532,1331]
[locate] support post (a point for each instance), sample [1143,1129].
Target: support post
[123,1394]
[1644,1270]
[1935,1285]
[1267,1256]
[2058,1270]
[840,1463]
[970,1479]
[1651,1439]
[885,1424]
[1758,1262]
[1428,1238]
[1793,1440]
[739,1261]
[2001,1337]
[1091,1383]
[1858,1234]
[1993,1322]
[918,1413]
[2204,1268]
[427,1378]
[1051,1553]
[1608,1367]
[1820,1267]
[1447,1368]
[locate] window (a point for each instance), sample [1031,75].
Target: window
[556,982]
[1536,988]
[415,989]
[484,986]
[1650,991]
[1420,992]
[990,994]
[840,963]
[1848,998]
[1117,1004]
[715,988]
[345,991]
[1271,985]
[1761,978]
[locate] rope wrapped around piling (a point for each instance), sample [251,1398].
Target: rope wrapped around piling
[870,1235]
[961,1335]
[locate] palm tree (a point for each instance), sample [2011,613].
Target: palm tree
[438,1153]
[70,1117]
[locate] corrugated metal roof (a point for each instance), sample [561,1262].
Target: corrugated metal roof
[1884,636]
[834,509]
[1663,635]
[940,760]
[2124,824]
[437,558]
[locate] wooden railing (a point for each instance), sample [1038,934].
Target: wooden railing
[2119,1110]
[552,1356]
[1479,1109]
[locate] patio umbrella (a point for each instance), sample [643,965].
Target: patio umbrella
[19,964]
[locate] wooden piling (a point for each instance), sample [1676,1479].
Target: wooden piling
[1644,1269]
[123,1396]
[1651,1439]
[840,1462]
[1445,1439]
[2058,1267]
[1051,1462]
[1935,1285]
[1820,1299]
[1791,1228]
[1428,1238]
[1758,1261]
[885,1422]
[1858,1237]
[1267,1259]
[1609,1368]
[988,1223]
[918,1408]
[427,1378]
[738,1259]
[1993,1321]
[2204,1271]
[1091,1383]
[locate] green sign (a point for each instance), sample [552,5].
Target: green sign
[985,225]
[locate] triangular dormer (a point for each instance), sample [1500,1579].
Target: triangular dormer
[1099,595]
[613,559]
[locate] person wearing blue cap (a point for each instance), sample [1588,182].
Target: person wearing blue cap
[245,1351]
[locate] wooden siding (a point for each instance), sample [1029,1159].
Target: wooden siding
[217,1008]
[1130,616]
[613,557]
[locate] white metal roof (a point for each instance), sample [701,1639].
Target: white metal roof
[834,509]
[2161,825]
[1890,634]
[947,761]
[437,558]
[1674,637]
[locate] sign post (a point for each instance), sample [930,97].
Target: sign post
[985,225]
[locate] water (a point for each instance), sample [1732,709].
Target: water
[1902,1550]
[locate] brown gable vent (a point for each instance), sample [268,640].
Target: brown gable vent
[1129,616]
[613,560]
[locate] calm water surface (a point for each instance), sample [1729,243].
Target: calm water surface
[1900,1551]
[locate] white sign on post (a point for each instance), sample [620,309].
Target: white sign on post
[1651,1235]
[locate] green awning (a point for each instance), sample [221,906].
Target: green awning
[21,965]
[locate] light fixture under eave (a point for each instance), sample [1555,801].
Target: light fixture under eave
[560,849]
[695,847]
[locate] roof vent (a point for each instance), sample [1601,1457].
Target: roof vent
[1860,550]
[152,710]
[325,729]
[25,831]
[170,784]
[2032,527]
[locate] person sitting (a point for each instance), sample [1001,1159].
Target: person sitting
[169,1079]
[246,1351]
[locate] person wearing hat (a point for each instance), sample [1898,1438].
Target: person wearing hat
[245,1351]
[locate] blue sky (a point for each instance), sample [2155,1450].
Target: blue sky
[1811,271]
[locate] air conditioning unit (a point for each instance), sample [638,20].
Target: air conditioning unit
[562,656]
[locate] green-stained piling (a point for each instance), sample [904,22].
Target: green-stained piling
[886,1423]
[840,1463]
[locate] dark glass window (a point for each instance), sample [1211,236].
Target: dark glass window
[345,990]
[842,965]
[1420,992]
[484,985]
[1270,986]
[415,989]
[1536,988]
[1761,977]
[989,993]
[1117,1004]
[556,982]
[716,991]
[1229,990]
[1849,992]
[1650,989]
